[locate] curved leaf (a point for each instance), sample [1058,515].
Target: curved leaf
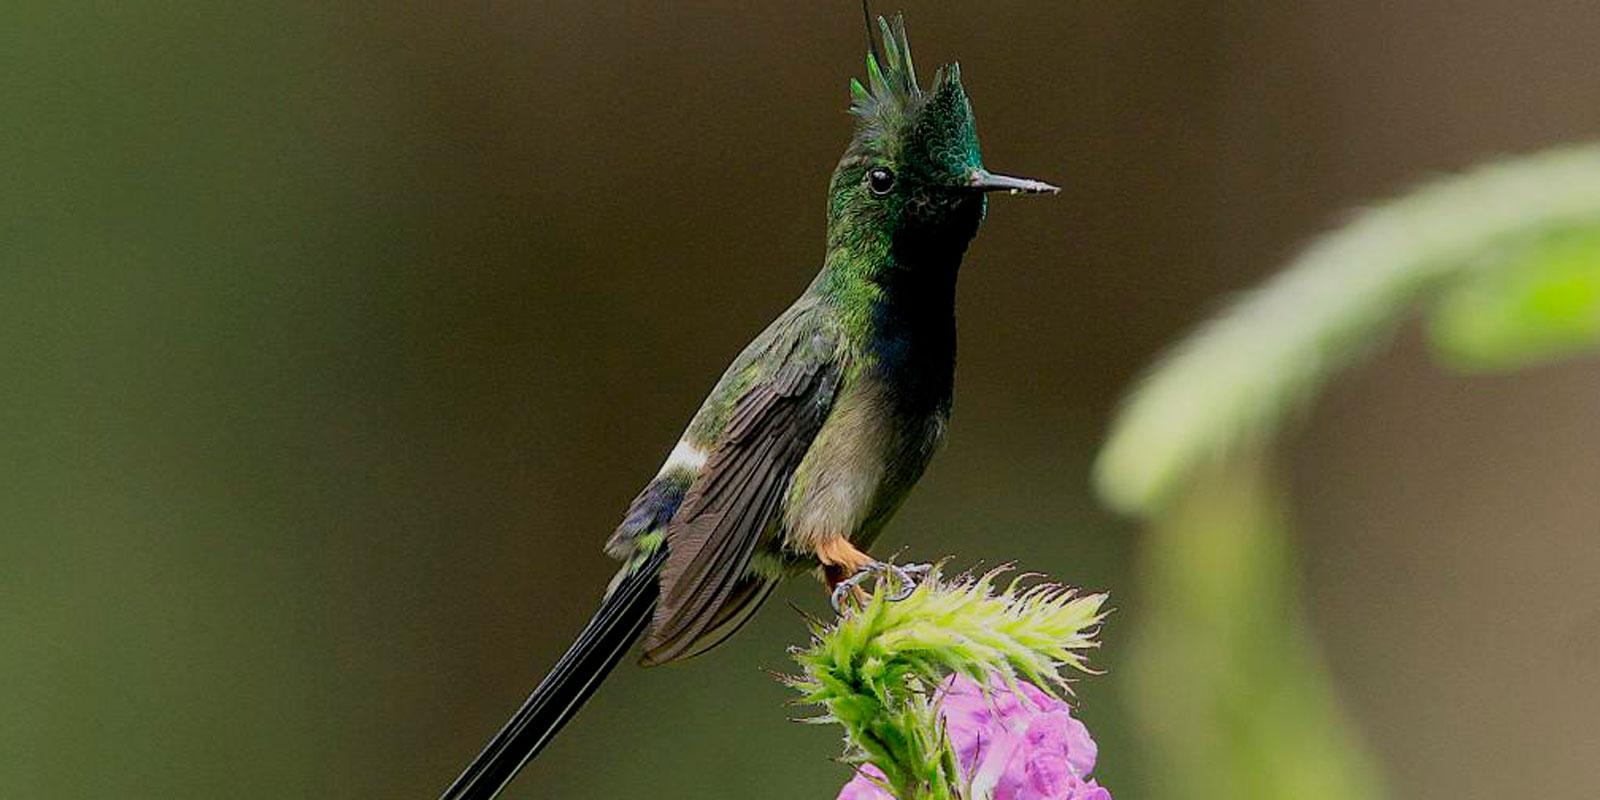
[1545,307]
[1233,380]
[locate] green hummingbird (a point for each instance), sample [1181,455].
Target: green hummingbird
[815,434]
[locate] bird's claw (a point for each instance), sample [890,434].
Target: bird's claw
[906,579]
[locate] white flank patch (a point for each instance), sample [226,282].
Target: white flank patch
[685,455]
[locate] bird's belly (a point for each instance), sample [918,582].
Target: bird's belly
[903,467]
[860,469]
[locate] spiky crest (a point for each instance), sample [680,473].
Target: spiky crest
[892,110]
[893,91]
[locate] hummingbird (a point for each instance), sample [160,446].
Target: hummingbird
[819,428]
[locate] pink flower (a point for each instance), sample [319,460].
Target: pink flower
[1012,745]
[865,785]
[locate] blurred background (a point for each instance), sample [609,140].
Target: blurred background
[335,338]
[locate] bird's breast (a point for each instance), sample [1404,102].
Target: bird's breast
[872,450]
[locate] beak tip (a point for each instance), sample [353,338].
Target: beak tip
[985,181]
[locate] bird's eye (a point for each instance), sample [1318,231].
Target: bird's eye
[880,180]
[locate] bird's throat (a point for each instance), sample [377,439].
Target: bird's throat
[896,305]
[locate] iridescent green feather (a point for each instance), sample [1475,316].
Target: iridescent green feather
[894,93]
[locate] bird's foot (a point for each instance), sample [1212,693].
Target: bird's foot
[905,580]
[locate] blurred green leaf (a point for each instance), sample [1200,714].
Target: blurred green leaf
[1541,304]
[1233,692]
[1230,689]
[1230,383]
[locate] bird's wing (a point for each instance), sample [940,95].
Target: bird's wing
[737,498]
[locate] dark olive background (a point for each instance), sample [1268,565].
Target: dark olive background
[334,338]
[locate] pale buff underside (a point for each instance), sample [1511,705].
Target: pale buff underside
[849,471]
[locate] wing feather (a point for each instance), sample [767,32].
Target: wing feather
[734,505]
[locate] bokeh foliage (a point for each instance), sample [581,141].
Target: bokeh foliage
[1504,261]
[1511,246]
[1538,303]
[1226,680]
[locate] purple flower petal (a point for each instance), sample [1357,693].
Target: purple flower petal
[1018,744]
[865,785]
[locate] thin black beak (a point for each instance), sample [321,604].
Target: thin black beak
[986,181]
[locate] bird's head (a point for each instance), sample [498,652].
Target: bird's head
[913,177]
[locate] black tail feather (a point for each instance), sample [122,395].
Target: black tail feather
[623,615]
